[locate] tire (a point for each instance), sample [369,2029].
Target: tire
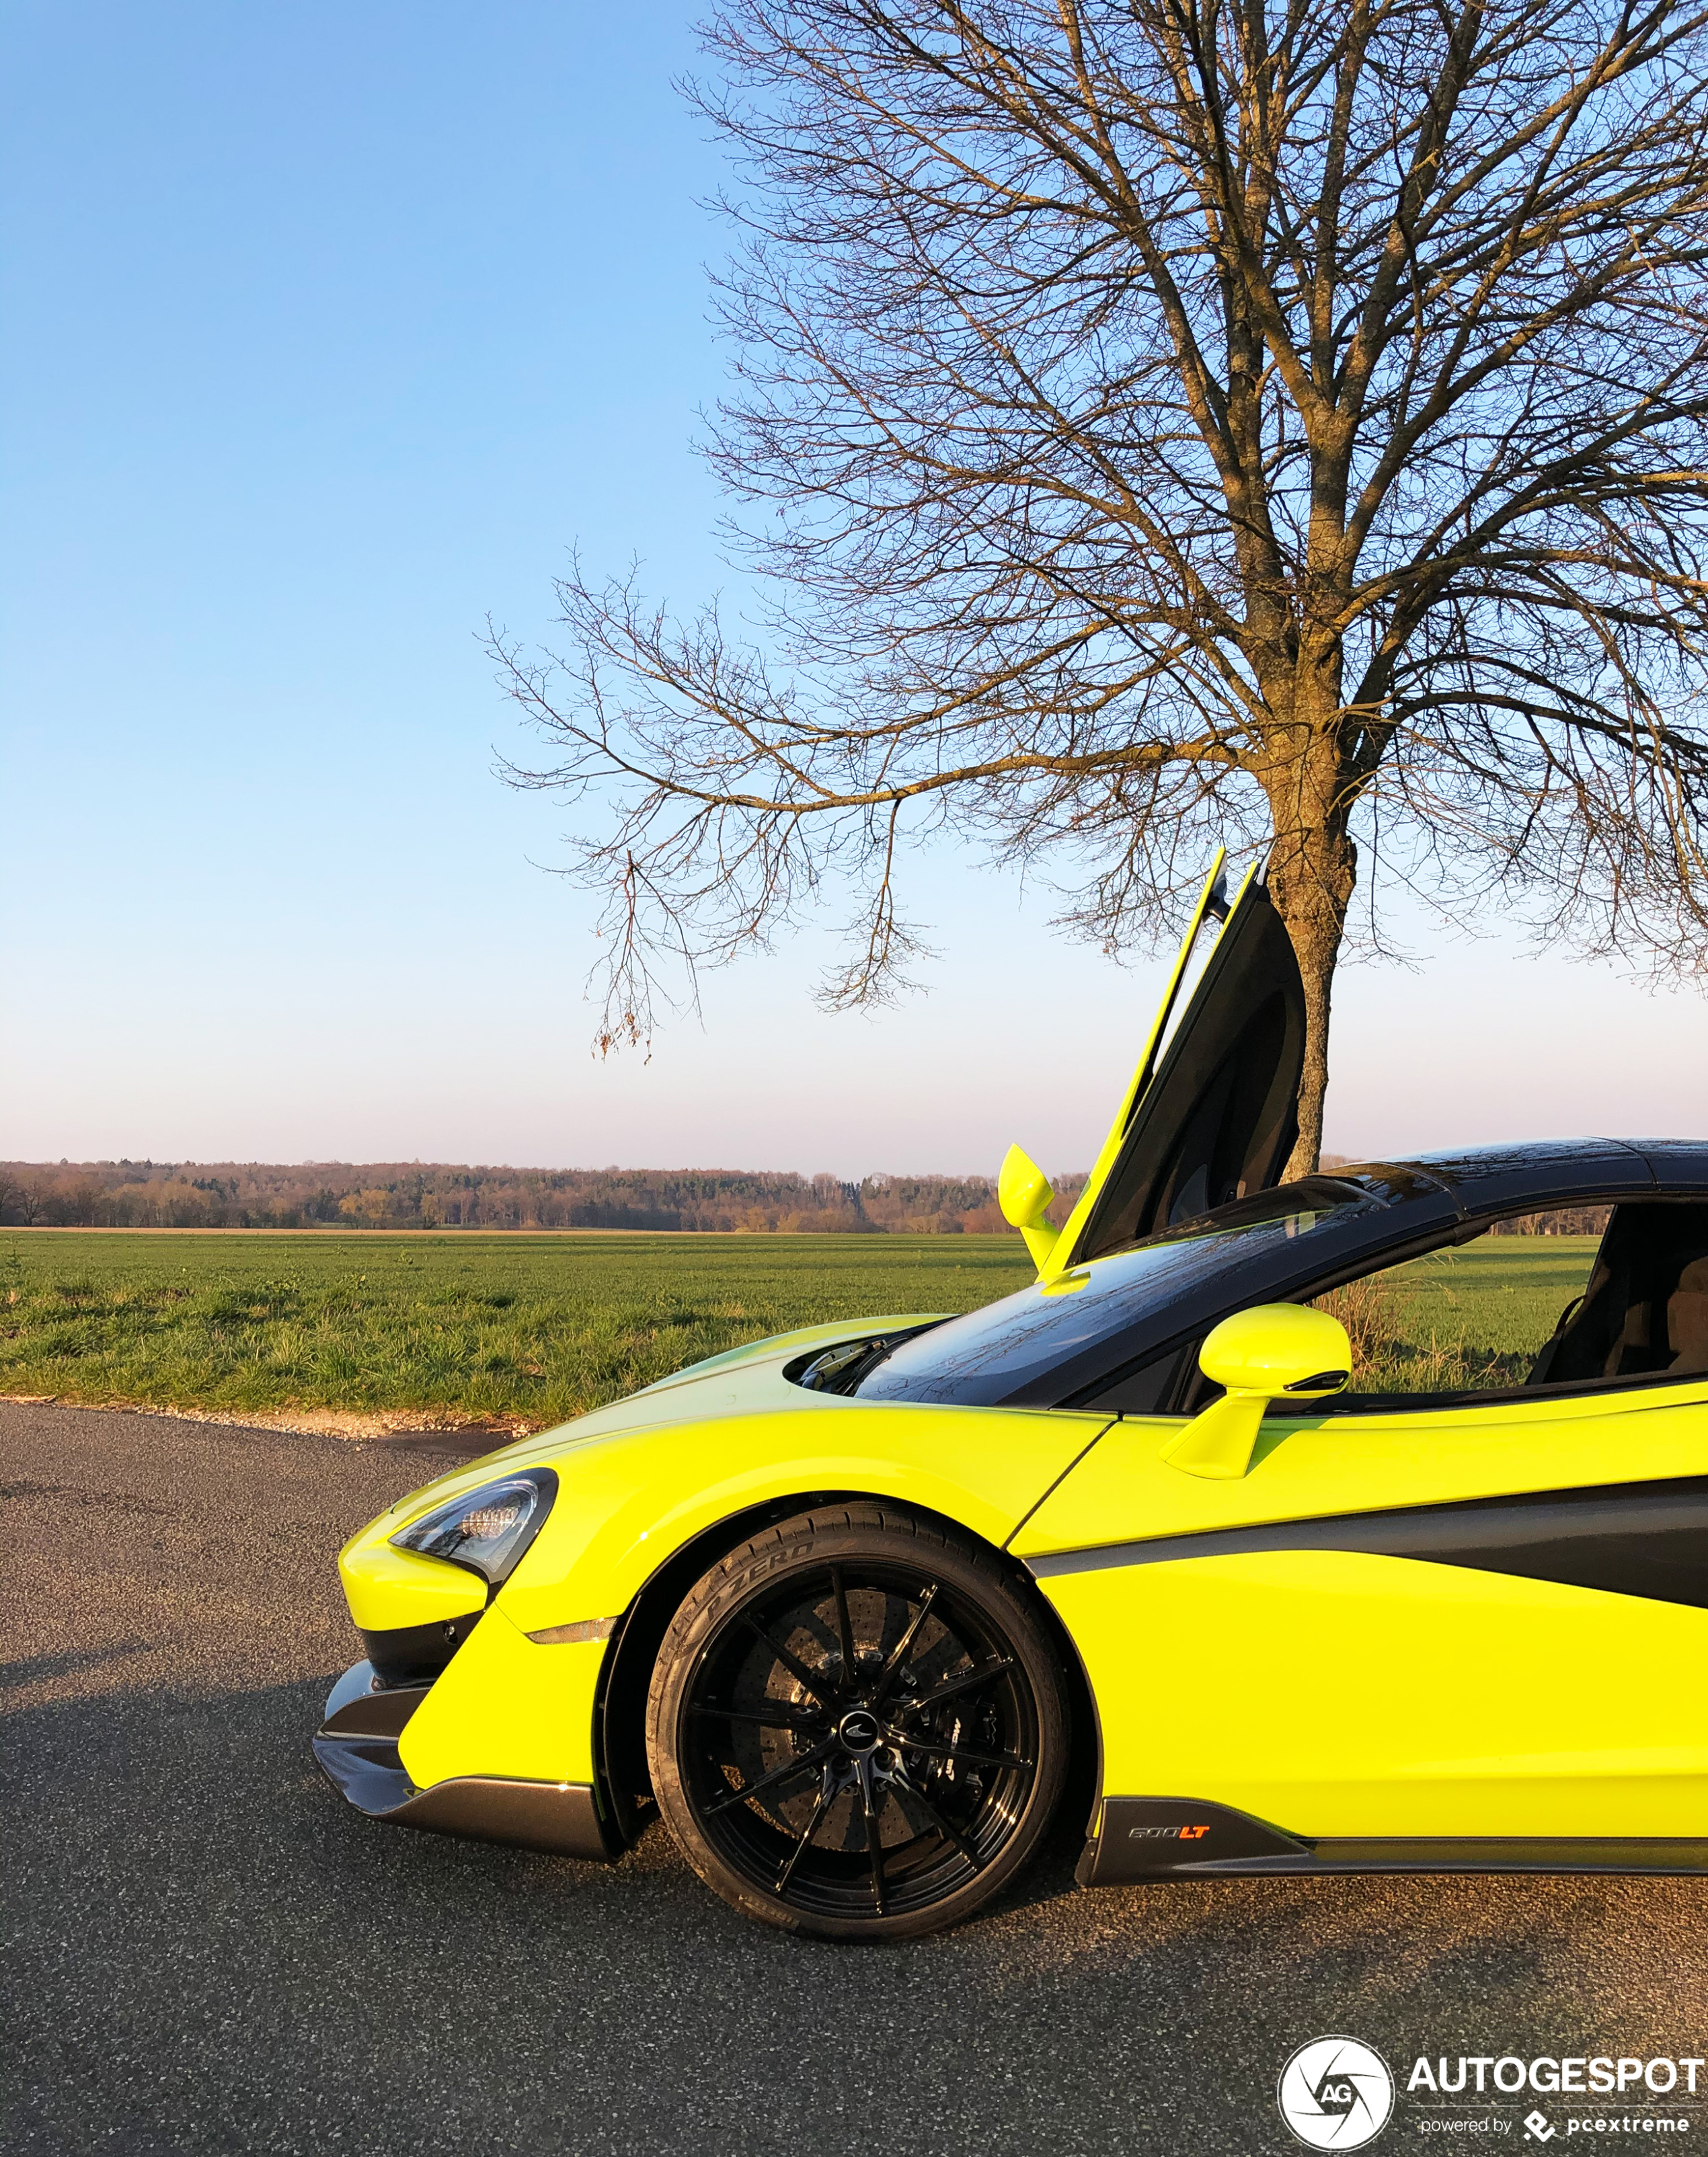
[865,1795]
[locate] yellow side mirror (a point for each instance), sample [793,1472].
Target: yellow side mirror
[1273,1352]
[1024,1194]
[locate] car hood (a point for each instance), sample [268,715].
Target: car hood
[741,1381]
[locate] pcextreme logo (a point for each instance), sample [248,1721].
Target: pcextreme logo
[1335,2094]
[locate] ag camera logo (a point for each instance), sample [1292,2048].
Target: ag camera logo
[1335,2094]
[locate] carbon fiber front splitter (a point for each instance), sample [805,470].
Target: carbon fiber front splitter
[356,1748]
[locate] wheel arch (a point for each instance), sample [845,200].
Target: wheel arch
[620,1712]
[1083,1791]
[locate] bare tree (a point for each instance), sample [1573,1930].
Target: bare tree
[33,1197]
[1168,419]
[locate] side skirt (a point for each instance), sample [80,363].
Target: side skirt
[1142,1839]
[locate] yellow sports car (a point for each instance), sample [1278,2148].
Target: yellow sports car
[859,1609]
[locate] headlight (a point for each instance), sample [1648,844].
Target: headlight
[487,1530]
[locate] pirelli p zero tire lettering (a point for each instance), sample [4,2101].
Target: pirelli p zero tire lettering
[857,1726]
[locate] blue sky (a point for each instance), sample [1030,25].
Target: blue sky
[330,329]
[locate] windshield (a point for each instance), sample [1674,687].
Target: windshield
[989,1355]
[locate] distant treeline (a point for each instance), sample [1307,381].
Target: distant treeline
[148,1194]
[1561,1221]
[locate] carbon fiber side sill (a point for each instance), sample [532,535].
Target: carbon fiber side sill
[1177,1838]
[1144,1839]
[1677,1854]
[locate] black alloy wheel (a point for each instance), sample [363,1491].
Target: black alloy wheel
[856,1727]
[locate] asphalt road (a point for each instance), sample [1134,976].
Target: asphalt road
[209,1953]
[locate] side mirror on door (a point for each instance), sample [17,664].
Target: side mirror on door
[1273,1352]
[1024,1194]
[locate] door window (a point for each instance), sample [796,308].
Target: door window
[1574,1296]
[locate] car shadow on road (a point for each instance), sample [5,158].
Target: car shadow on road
[24,1670]
[210,1952]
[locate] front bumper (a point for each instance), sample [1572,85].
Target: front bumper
[356,1748]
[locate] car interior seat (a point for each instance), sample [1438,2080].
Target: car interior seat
[1646,1309]
[1687,1319]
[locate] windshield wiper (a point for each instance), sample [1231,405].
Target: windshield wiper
[844,1368]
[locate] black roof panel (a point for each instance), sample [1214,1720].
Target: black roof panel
[1680,1165]
[1539,1172]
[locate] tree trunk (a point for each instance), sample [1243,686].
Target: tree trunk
[1312,868]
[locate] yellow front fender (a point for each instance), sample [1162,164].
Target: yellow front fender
[623,1505]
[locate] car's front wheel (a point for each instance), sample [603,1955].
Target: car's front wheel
[856,1726]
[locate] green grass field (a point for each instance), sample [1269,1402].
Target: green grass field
[496,1330]
[508,1330]
[1466,1318]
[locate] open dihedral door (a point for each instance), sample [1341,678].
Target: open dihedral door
[1213,1116]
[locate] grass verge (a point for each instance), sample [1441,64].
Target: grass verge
[501,1332]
